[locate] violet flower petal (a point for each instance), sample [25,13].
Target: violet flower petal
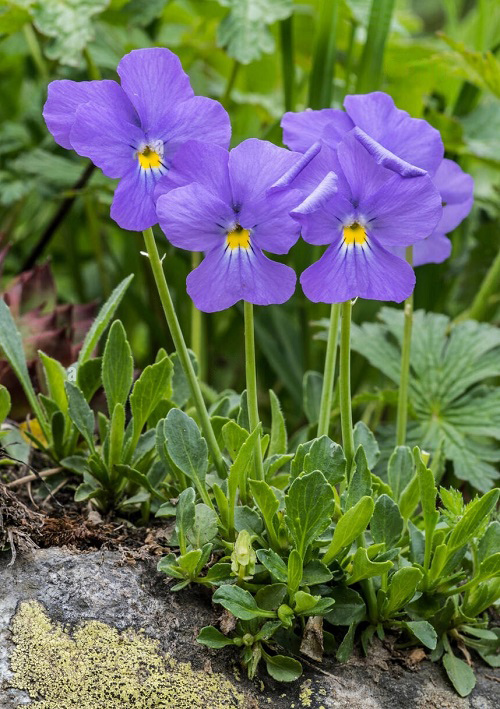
[226,276]
[367,271]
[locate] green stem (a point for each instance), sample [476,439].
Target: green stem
[181,349]
[372,59]
[253,408]
[329,373]
[36,52]
[345,385]
[287,62]
[483,300]
[197,326]
[402,415]
[226,98]
[322,72]
[368,589]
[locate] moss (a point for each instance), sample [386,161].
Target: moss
[98,666]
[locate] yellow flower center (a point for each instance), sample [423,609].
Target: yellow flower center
[239,238]
[354,234]
[149,158]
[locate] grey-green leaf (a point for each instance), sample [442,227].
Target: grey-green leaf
[117,367]
[309,509]
[387,524]
[102,320]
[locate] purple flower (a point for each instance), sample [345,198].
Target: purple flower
[131,131]
[412,139]
[217,201]
[362,209]
[456,190]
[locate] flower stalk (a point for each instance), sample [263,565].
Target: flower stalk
[345,385]
[181,349]
[329,372]
[251,376]
[402,413]
[197,326]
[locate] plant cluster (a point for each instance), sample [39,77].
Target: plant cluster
[308,544]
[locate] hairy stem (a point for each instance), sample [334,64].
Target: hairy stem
[329,373]
[402,414]
[345,385]
[253,408]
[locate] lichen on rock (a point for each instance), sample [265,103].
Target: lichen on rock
[95,665]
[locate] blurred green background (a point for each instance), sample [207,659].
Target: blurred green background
[260,58]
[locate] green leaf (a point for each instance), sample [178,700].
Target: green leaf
[204,527]
[117,367]
[456,409]
[80,413]
[360,484]
[181,391]
[400,470]
[283,669]
[364,568]
[246,518]
[55,376]
[327,457]
[244,32]
[89,377]
[233,437]
[11,345]
[271,597]
[116,434]
[211,637]
[153,385]
[69,23]
[461,675]
[4,403]
[305,520]
[273,563]
[477,512]
[387,524]
[266,501]
[279,440]
[364,437]
[481,597]
[312,388]
[409,498]
[186,447]
[294,572]
[349,607]
[85,492]
[185,516]
[237,472]
[402,587]
[349,527]
[103,318]
[346,647]
[423,631]
[480,68]
[315,572]
[490,541]
[240,603]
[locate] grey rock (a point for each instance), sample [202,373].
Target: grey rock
[74,588]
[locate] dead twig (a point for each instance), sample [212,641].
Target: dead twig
[29,478]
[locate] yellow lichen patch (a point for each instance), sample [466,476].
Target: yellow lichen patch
[97,667]
[354,234]
[238,238]
[149,158]
[306,694]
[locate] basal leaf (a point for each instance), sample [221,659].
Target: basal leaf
[386,524]
[186,447]
[402,587]
[309,508]
[104,316]
[240,603]
[211,637]
[279,440]
[80,413]
[349,527]
[423,631]
[117,367]
[461,675]
[364,437]
[328,457]
[312,387]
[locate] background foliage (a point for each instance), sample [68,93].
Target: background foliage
[259,57]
